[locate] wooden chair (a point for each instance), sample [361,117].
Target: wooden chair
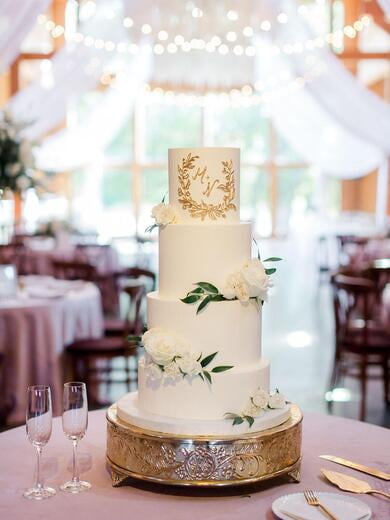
[361,338]
[6,404]
[91,360]
[65,270]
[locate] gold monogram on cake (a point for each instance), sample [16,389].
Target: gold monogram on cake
[202,209]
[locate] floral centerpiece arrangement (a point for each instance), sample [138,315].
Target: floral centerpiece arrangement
[16,157]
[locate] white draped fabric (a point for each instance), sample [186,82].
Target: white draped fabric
[17,17]
[334,122]
[74,147]
[74,70]
[385,5]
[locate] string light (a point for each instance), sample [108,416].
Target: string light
[215,44]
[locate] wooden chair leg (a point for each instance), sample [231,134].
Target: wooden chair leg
[363,387]
[386,379]
[333,380]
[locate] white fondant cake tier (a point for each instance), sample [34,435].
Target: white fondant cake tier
[231,327]
[129,411]
[204,184]
[192,398]
[191,253]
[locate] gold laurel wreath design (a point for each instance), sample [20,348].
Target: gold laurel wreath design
[203,209]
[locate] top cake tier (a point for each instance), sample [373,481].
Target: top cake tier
[204,184]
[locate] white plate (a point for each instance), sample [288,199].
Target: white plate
[343,506]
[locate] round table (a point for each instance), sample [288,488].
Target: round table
[35,326]
[322,434]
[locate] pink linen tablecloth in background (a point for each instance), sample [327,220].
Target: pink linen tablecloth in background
[33,334]
[321,435]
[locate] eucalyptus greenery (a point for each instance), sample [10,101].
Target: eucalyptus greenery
[16,159]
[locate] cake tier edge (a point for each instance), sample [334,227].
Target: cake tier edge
[129,412]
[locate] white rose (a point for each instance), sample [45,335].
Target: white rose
[258,282]
[252,410]
[276,400]
[236,287]
[260,398]
[172,371]
[153,372]
[164,214]
[161,345]
[189,365]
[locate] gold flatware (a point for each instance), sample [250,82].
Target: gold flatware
[359,467]
[312,500]
[352,484]
[292,516]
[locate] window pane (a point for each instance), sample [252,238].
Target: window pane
[38,40]
[154,188]
[169,126]
[245,128]
[295,193]
[117,188]
[255,199]
[285,153]
[121,147]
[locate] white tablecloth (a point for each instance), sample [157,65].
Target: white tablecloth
[34,329]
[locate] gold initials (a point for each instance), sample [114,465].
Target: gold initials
[200,174]
[210,188]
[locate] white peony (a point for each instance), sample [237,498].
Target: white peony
[172,371]
[164,214]
[260,398]
[276,400]
[153,372]
[161,345]
[236,287]
[252,410]
[189,365]
[255,277]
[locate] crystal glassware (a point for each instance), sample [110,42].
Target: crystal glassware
[74,425]
[38,428]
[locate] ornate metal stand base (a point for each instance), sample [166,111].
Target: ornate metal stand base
[203,461]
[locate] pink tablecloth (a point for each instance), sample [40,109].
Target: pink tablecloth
[322,434]
[33,333]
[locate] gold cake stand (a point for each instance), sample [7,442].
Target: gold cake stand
[134,453]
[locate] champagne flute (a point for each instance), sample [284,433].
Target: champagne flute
[74,425]
[38,428]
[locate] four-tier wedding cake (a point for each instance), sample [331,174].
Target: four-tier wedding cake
[201,372]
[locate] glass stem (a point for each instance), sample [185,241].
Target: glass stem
[76,477]
[39,484]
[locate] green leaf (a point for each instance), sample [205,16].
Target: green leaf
[238,420]
[136,339]
[163,199]
[257,247]
[250,420]
[150,228]
[208,359]
[218,298]
[198,290]
[208,287]
[221,369]
[192,298]
[203,304]
[201,376]
[273,259]
[272,270]
[207,376]
[199,358]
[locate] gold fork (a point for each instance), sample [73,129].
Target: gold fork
[312,500]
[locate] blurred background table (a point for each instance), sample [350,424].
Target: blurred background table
[321,434]
[45,316]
